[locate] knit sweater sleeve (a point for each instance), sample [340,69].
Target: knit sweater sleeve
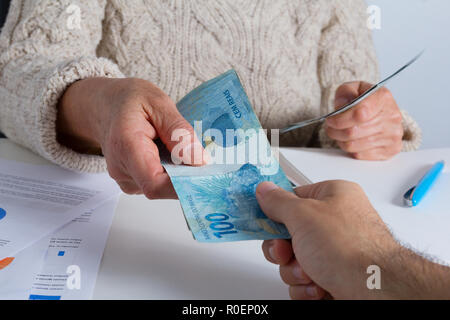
[45,46]
[347,54]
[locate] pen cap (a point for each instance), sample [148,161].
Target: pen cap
[426,182]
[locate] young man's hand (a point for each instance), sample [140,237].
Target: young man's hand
[336,236]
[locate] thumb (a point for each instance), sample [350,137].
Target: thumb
[278,204]
[179,137]
[346,93]
[318,191]
[349,91]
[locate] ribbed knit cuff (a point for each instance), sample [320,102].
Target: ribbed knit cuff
[46,103]
[412,136]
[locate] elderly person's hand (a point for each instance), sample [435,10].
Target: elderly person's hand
[121,118]
[372,130]
[336,236]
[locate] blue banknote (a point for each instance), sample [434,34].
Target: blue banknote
[218,199]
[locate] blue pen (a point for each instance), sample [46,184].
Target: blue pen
[414,195]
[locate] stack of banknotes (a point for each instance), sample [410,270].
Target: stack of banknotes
[218,199]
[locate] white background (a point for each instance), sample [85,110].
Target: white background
[407,27]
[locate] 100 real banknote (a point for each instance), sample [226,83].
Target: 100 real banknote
[218,200]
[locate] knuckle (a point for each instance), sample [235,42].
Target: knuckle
[347,146]
[353,186]
[344,199]
[285,275]
[359,156]
[330,132]
[385,92]
[135,89]
[398,134]
[350,133]
[296,294]
[160,99]
[150,191]
[397,117]
[114,174]
[342,87]
[342,184]
[128,187]
[124,189]
[137,136]
[362,114]
[145,91]
[398,147]
[292,293]
[385,155]
[337,122]
[348,186]
[180,127]
[336,184]
[114,170]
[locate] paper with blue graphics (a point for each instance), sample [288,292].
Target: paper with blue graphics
[219,200]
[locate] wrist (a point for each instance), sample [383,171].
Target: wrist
[372,274]
[79,116]
[407,275]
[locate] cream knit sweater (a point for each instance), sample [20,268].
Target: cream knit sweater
[291,56]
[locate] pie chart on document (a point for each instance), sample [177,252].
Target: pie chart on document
[6,261]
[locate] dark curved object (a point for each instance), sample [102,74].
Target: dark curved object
[4,7]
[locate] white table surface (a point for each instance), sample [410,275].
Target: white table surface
[150,254]
[424,228]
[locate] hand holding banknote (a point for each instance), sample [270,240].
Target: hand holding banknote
[121,119]
[127,116]
[219,200]
[336,235]
[338,240]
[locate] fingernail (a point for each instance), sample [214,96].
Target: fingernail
[206,157]
[193,154]
[297,272]
[272,253]
[342,101]
[311,291]
[266,187]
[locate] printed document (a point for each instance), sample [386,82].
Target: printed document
[36,200]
